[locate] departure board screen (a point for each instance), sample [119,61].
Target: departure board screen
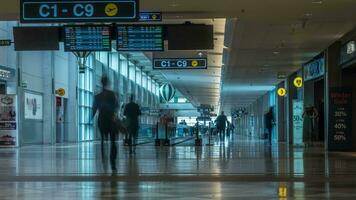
[87,38]
[140,38]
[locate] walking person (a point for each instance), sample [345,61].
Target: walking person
[269,121]
[132,112]
[106,103]
[221,122]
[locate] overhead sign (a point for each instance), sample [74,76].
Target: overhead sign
[281,92]
[44,11]
[150,17]
[5,42]
[87,38]
[139,38]
[315,68]
[180,63]
[298,82]
[340,119]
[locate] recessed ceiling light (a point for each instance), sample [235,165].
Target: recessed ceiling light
[276,52]
[173,5]
[308,14]
[317,2]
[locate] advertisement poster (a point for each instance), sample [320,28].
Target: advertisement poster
[8,121]
[340,119]
[33,106]
[298,108]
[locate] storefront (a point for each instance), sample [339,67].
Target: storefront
[314,100]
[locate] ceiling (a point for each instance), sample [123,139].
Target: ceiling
[262,38]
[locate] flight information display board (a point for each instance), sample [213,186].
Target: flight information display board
[87,38]
[140,38]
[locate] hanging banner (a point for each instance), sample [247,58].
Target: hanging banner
[298,107]
[8,121]
[340,119]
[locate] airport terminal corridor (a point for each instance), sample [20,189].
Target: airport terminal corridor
[177,99]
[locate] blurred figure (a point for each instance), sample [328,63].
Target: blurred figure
[106,103]
[269,121]
[221,121]
[132,112]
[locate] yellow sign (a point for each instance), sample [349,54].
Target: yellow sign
[282,191]
[154,17]
[111,9]
[298,82]
[61,92]
[282,92]
[195,63]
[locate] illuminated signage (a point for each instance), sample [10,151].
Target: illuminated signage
[180,63]
[139,38]
[281,92]
[61,92]
[6,73]
[350,47]
[314,69]
[44,11]
[5,42]
[298,82]
[150,17]
[87,38]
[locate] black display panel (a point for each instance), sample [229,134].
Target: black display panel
[70,11]
[139,38]
[190,37]
[87,38]
[36,38]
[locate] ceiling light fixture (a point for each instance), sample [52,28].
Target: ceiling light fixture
[317,2]
[276,52]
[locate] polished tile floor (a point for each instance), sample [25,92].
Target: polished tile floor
[240,168]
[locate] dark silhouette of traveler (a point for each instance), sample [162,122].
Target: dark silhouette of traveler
[106,103]
[221,122]
[269,121]
[132,112]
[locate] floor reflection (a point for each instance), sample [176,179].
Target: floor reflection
[272,170]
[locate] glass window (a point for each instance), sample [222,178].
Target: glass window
[115,62]
[144,81]
[132,72]
[138,77]
[123,67]
[85,101]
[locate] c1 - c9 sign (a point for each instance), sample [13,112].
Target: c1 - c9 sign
[44,11]
[340,119]
[179,63]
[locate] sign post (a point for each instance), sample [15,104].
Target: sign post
[56,11]
[340,119]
